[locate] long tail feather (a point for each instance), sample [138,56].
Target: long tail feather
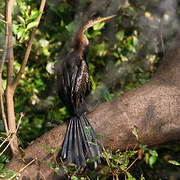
[65,144]
[76,146]
[96,142]
[84,139]
[91,140]
[80,140]
[70,143]
[87,133]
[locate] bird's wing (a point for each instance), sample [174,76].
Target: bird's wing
[64,75]
[82,84]
[73,82]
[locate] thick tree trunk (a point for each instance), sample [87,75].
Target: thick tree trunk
[11,120]
[10,76]
[154,109]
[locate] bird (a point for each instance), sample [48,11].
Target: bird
[74,86]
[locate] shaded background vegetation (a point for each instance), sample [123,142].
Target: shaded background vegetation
[123,54]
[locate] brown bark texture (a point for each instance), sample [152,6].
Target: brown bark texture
[10,73]
[153,109]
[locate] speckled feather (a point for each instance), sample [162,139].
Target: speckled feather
[74,83]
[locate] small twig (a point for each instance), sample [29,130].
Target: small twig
[1,70]
[42,175]
[125,177]
[23,168]
[132,163]
[116,175]
[12,134]
[88,178]
[19,121]
[76,171]
[3,21]
[28,50]
[2,108]
[5,140]
[2,138]
[7,146]
[107,158]
[135,146]
[109,164]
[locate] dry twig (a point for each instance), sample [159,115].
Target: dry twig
[1,90]
[23,168]
[11,135]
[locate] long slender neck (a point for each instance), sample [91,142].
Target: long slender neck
[81,41]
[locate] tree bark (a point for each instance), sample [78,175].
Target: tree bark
[153,109]
[10,74]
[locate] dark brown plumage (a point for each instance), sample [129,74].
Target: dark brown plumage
[74,86]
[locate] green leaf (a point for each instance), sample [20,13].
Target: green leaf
[7,174]
[15,27]
[34,14]
[147,158]
[20,33]
[74,178]
[92,34]
[1,166]
[70,27]
[152,161]
[120,35]
[4,83]
[131,48]
[21,20]
[93,83]
[153,153]
[32,25]
[49,165]
[23,7]
[4,134]
[130,177]
[98,26]
[174,162]
[46,147]
[134,131]
[143,147]
[123,167]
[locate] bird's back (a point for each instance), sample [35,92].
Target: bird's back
[73,82]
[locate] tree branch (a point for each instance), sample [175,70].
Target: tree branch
[10,55]
[1,88]
[154,109]
[10,72]
[28,50]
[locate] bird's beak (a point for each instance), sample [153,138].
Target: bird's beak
[106,18]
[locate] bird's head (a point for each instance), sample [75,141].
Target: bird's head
[81,40]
